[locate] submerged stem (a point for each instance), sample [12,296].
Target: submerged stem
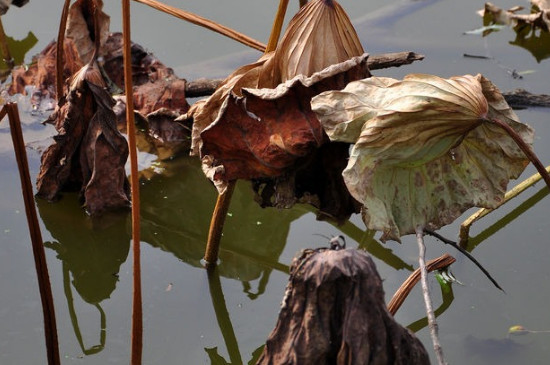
[426,293]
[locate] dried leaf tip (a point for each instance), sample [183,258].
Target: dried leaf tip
[89,72]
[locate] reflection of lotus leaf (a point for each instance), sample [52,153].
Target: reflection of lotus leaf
[175,213]
[537,42]
[93,256]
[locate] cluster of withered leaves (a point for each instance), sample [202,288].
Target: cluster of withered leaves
[259,124]
[155,85]
[89,153]
[538,17]
[532,30]
[424,151]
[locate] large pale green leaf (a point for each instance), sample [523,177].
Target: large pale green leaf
[423,151]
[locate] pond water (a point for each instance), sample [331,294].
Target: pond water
[191,319]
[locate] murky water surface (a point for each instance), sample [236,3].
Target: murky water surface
[189,319]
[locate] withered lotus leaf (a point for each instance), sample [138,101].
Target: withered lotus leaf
[80,27]
[423,153]
[259,121]
[89,153]
[265,131]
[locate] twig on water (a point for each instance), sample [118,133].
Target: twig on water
[432,323]
[465,253]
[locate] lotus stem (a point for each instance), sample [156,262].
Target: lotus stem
[277,26]
[216,225]
[525,148]
[404,290]
[60,50]
[518,189]
[203,22]
[46,297]
[137,311]
[432,323]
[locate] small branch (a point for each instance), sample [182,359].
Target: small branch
[521,98]
[404,290]
[432,323]
[204,87]
[465,253]
[397,59]
[203,22]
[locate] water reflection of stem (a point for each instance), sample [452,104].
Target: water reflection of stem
[448,298]
[48,310]
[523,207]
[8,59]
[74,319]
[137,311]
[432,323]
[222,315]
[518,189]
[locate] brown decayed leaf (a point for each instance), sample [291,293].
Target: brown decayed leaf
[80,27]
[155,85]
[41,73]
[89,153]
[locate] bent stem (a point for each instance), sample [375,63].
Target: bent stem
[525,148]
[404,290]
[203,22]
[137,311]
[46,297]
[426,293]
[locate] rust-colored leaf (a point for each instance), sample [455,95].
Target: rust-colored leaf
[259,124]
[266,131]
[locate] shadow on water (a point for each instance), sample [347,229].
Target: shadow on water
[90,256]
